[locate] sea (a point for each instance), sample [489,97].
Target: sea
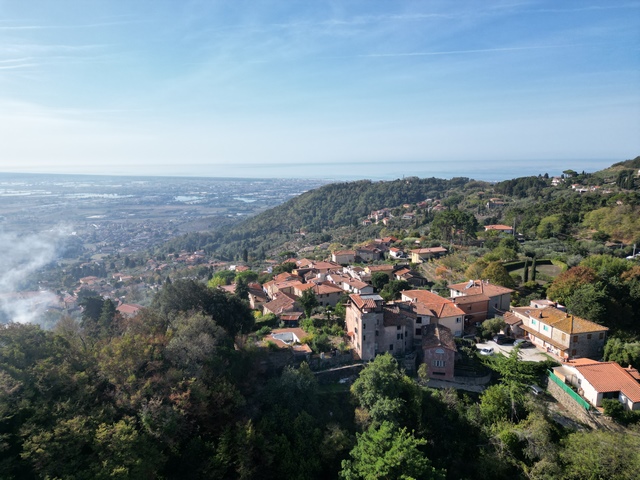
[488,170]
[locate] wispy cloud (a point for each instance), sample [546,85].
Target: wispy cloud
[462,52]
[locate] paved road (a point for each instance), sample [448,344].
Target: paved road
[531,354]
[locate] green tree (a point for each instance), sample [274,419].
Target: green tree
[589,301]
[514,377]
[308,301]
[242,288]
[568,282]
[600,455]
[388,452]
[525,273]
[385,393]
[379,280]
[498,275]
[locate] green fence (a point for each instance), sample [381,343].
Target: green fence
[581,401]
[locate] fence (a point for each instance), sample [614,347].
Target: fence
[581,401]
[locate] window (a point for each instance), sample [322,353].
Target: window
[575,339]
[458,320]
[439,351]
[545,328]
[533,322]
[364,326]
[588,336]
[418,332]
[364,338]
[573,352]
[399,336]
[356,329]
[377,333]
[438,363]
[601,336]
[419,320]
[391,347]
[564,337]
[398,327]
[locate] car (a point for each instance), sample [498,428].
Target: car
[501,339]
[535,389]
[486,351]
[522,343]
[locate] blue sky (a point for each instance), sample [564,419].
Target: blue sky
[186,87]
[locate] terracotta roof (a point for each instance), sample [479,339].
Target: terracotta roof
[281,303]
[480,287]
[441,307]
[283,277]
[380,268]
[610,377]
[365,301]
[129,308]
[561,320]
[344,252]
[511,318]
[497,227]
[429,250]
[297,332]
[435,335]
[465,299]
[393,317]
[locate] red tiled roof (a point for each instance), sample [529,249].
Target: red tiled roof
[497,227]
[434,335]
[420,251]
[480,287]
[360,302]
[610,377]
[441,307]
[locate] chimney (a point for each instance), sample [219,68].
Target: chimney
[540,314]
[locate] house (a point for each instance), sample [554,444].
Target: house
[290,338]
[408,216]
[499,297]
[129,309]
[495,203]
[368,253]
[412,277]
[282,302]
[438,351]
[420,255]
[343,256]
[351,285]
[562,334]
[513,325]
[291,319]
[397,253]
[498,228]
[385,268]
[475,307]
[374,327]
[436,309]
[596,381]
[257,296]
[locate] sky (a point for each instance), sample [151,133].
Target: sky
[316,87]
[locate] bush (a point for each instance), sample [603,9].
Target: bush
[264,331]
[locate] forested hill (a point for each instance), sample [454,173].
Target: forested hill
[328,207]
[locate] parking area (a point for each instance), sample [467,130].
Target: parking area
[531,354]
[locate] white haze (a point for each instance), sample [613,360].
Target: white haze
[21,256]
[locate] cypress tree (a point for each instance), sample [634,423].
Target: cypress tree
[525,273]
[533,270]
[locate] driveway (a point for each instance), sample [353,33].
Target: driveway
[531,354]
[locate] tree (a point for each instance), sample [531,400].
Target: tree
[623,353]
[242,288]
[596,455]
[379,280]
[589,301]
[392,289]
[533,270]
[385,393]
[498,275]
[567,282]
[388,452]
[513,377]
[308,301]
[525,273]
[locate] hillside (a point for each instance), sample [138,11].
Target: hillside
[336,212]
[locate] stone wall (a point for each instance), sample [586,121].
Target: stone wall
[577,410]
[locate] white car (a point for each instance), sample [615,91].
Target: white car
[486,351]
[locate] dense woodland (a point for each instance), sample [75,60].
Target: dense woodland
[180,391]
